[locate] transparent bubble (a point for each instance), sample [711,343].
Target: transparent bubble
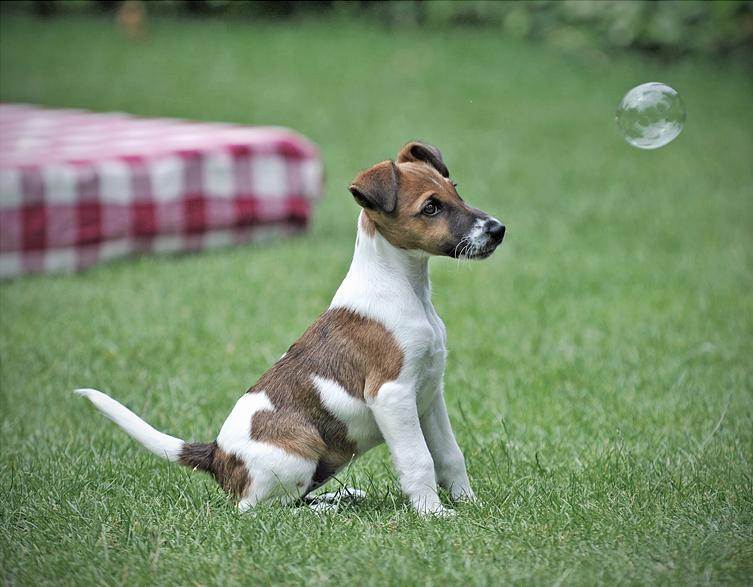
[651,115]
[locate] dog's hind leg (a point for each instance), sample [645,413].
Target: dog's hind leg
[277,477]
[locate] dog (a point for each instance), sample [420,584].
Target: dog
[369,370]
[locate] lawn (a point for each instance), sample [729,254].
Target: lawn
[599,376]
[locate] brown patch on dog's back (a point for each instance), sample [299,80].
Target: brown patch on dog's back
[358,353]
[290,431]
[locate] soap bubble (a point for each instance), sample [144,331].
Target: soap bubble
[651,115]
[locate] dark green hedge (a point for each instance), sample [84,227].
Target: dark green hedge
[669,27]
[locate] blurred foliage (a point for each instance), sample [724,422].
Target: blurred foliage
[670,27]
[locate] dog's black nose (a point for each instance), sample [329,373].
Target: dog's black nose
[495,229]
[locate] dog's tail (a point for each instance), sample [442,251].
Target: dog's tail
[196,455]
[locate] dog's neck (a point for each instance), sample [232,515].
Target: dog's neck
[380,266]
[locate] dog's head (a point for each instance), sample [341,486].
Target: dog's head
[413,203]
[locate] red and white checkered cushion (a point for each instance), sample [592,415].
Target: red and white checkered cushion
[77,188]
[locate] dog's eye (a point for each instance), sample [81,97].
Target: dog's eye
[431,208]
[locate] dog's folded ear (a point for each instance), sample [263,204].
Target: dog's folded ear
[415,151]
[376,188]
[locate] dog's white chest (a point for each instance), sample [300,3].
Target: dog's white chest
[392,287]
[431,362]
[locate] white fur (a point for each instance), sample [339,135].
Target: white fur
[392,286]
[236,431]
[163,445]
[274,472]
[449,464]
[353,412]
[476,240]
[396,414]
[476,234]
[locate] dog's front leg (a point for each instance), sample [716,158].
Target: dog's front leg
[448,459]
[396,415]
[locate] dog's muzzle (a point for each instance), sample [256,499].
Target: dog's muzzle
[483,238]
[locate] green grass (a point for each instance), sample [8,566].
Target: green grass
[599,379]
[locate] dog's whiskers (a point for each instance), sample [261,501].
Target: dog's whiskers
[458,257]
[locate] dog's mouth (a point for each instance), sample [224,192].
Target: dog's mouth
[476,254]
[481,254]
[474,251]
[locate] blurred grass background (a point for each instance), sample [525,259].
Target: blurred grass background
[599,375]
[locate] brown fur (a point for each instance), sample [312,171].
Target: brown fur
[420,177]
[415,151]
[229,471]
[290,431]
[378,188]
[356,352]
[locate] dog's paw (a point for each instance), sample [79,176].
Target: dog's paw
[343,493]
[353,493]
[441,512]
[434,510]
[465,495]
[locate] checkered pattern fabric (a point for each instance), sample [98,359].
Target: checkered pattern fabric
[78,188]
